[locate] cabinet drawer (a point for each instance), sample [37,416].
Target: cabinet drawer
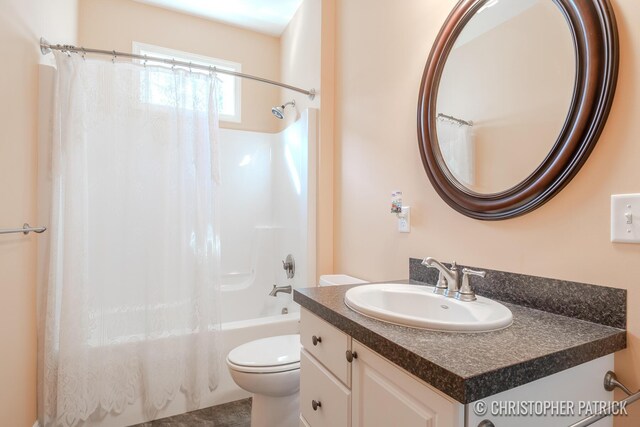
[330,345]
[333,399]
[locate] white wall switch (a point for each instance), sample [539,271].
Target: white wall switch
[404,220]
[625,218]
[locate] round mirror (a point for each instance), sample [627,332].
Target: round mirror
[505,93]
[513,98]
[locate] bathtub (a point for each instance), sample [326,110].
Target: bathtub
[233,334]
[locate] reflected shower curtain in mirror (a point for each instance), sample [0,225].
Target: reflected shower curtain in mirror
[129,307]
[458,149]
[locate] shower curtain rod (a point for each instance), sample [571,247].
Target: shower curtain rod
[455,120]
[46,47]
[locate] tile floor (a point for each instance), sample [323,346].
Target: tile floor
[232,414]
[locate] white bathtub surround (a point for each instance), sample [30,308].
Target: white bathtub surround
[268,194]
[129,311]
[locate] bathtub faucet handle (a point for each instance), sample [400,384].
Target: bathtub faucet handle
[289,266]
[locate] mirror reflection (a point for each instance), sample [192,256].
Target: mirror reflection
[504,94]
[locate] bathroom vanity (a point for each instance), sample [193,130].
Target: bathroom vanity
[358,371]
[332,387]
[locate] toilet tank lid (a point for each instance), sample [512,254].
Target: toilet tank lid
[271,351]
[339,279]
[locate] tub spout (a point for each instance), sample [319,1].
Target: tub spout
[277,289]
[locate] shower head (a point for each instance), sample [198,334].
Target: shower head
[279,111]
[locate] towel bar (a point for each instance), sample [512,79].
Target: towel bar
[26,229]
[610,383]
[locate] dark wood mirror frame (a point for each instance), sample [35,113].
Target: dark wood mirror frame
[592,24]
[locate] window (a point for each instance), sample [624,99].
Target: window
[230,86]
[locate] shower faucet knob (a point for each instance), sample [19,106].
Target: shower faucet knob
[289,266]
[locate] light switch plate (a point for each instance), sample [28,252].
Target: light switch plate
[625,218]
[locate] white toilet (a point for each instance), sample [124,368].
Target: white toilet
[270,369]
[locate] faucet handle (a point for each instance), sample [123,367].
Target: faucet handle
[289,266]
[466,293]
[467,271]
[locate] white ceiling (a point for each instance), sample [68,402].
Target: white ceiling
[265,16]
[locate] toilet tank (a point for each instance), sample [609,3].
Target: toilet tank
[339,279]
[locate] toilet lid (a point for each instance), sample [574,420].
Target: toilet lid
[265,352]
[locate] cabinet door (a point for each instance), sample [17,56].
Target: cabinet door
[384,395]
[324,401]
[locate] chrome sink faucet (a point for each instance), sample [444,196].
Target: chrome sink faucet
[448,279]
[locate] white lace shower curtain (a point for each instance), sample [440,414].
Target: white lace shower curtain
[129,307]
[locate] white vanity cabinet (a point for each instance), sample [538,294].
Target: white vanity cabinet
[367,392]
[371,391]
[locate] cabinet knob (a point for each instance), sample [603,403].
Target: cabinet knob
[486,423]
[351,355]
[315,340]
[315,404]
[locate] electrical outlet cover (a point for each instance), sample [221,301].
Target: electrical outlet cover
[404,220]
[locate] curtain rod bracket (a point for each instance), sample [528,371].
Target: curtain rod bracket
[44,46]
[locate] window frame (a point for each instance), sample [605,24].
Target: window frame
[179,55]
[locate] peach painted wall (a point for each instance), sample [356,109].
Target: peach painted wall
[116,24]
[300,56]
[22,23]
[326,146]
[307,48]
[382,48]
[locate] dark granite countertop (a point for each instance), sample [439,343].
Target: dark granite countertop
[471,366]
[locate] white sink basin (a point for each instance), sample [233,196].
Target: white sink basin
[419,307]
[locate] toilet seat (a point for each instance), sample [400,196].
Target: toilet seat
[267,355]
[264,369]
